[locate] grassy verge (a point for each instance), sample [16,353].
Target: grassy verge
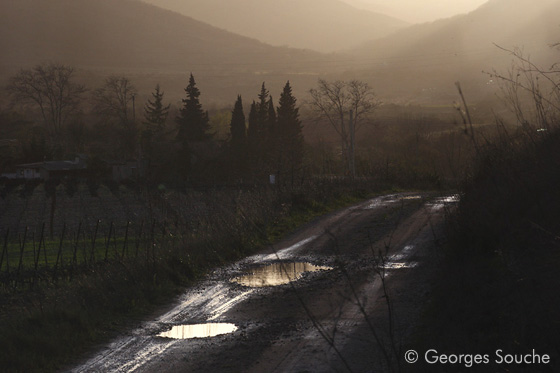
[47,328]
[499,286]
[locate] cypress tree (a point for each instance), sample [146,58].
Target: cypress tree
[253,130]
[260,135]
[262,117]
[237,155]
[271,118]
[271,137]
[237,125]
[290,134]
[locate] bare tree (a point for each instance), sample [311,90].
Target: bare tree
[346,106]
[50,88]
[531,92]
[114,101]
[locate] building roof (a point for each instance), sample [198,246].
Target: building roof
[64,165]
[78,164]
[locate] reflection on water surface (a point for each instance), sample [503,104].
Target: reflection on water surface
[276,274]
[198,331]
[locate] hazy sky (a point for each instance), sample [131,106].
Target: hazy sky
[420,10]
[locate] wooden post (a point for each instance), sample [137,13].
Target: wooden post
[59,255]
[152,242]
[45,250]
[108,241]
[125,244]
[5,252]
[139,238]
[115,244]
[92,257]
[38,255]
[74,255]
[22,246]
[39,248]
[352,145]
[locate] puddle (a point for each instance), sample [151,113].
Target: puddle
[449,199]
[411,197]
[400,265]
[440,203]
[276,274]
[198,331]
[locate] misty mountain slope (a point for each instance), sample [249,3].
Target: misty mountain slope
[464,39]
[130,34]
[322,25]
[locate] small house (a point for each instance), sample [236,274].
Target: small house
[49,169]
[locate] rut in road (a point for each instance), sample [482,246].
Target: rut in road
[273,331]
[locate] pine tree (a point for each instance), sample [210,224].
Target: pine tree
[261,133]
[271,119]
[155,114]
[193,127]
[237,126]
[253,129]
[262,115]
[193,123]
[237,155]
[271,138]
[290,136]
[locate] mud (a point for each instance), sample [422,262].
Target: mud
[328,320]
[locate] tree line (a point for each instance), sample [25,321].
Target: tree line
[267,141]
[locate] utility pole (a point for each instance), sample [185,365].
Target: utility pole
[134,109]
[139,163]
[352,146]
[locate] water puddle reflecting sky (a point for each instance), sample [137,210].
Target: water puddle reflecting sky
[198,331]
[400,265]
[276,274]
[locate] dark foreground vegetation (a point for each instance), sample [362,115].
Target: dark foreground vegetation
[76,290]
[499,288]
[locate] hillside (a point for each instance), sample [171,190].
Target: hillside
[417,11]
[322,25]
[130,34]
[431,57]
[471,37]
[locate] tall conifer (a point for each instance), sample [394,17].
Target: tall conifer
[253,128]
[155,117]
[237,125]
[155,114]
[290,134]
[193,123]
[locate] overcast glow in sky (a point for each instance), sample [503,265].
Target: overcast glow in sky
[419,10]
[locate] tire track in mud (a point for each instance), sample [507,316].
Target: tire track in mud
[216,299]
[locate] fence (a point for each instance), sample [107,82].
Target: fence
[32,257]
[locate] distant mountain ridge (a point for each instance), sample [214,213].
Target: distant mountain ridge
[130,34]
[423,61]
[322,25]
[532,24]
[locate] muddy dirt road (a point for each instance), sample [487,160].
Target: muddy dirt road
[331,305]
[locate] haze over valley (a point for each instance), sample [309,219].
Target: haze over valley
[279,185]
[404,63]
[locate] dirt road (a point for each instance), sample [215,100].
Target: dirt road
[351,312]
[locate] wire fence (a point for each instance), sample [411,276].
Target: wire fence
[32,257]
